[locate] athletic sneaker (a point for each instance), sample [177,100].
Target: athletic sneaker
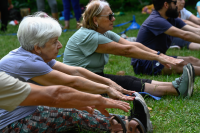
[192,76]
[141,112]
[174,47]
[136,94]
[183,84]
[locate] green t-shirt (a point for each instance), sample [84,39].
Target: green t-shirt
[81,47]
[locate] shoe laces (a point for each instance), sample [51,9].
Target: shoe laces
[180,80]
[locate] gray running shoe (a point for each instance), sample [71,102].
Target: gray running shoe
[183,84]
[192,76]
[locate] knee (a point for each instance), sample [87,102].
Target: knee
[179,68]
[53,5]
[192,59]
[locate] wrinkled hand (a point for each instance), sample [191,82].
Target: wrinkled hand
[120,89]
[167,61]
[110,103]
[115,94]
[106,103]
[89,109]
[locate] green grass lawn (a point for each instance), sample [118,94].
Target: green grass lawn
[170,114]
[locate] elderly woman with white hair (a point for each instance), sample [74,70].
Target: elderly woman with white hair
[90,45]
[35,62]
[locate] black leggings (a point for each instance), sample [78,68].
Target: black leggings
[128,82]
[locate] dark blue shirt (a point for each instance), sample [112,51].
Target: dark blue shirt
[151,33]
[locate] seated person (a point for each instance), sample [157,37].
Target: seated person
[90,45]
[34,62]
[14,93]
[189,19]
[198,9]
[157,33]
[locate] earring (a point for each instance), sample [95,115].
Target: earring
[97,25]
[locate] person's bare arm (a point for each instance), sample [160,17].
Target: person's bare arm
[187,33]
[134,50]
[79,71]
[194,19]
[191,23]
[82,84]
[66,97]
[139,45]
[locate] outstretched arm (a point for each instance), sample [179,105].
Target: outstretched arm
[66,97]
[134,50]
[79,71]
[191,23]
[187,33]
[56,77]
[194,19]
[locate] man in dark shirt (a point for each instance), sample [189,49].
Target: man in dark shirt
[157,32]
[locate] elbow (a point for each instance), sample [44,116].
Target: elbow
[76,82]
[77,71]
[186,36]
[56,95]
[126,51]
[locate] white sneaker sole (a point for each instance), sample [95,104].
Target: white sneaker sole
[140,96]
[189,84]
[190,91]
[149,123]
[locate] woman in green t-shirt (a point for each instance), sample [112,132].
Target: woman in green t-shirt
[90,45]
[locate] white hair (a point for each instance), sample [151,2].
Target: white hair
[37,29]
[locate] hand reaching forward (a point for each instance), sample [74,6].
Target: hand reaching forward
[115,94]
[106,103]
[119,88]
[167,60]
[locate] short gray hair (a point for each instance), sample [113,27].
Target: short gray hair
[37,29]
[94,8]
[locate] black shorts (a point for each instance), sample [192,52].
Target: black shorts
[148,67]
[180,42]
[128,82]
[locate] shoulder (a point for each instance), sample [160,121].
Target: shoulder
[83,34]
[20,60]
[154,18]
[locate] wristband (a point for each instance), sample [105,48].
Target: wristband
[158,53]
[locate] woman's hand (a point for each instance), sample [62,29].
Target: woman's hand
[119,88]
[115,94]
[104,103]
[167,60]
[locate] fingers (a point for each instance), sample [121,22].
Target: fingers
[127,91]
[104,112]
[87,108]
[117,104]
[126,98]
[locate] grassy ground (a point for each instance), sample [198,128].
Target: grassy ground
[170,114]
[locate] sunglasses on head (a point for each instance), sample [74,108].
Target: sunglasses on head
[110,16]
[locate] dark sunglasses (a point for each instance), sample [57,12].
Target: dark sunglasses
[110,16]
[174,2]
